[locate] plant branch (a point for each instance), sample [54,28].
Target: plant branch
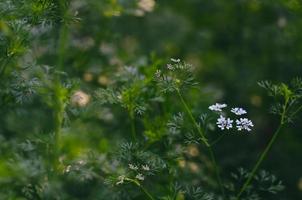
[258,163]
[296,111]
[217,140]
[204,139]
[141,187]
[133,130]
[264,153]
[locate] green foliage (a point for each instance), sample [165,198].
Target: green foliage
[176,76]
[287,98]
[90,109]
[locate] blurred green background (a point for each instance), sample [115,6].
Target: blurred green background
[231,44]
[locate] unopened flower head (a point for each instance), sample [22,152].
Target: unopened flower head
[224,123]
[175,60]
[133,167]
[121,179]
[140,177]
[238,111]
[158,73]
[170,67]
[217,107]
[146,167]
[67,169]
[244,124]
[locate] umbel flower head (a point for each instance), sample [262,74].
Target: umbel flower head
[175,76]
[133,167]
[217,107]
[227,123]
[121,179]
[244,124]
[238,111]
[140,177]
[146,167]
[224,123]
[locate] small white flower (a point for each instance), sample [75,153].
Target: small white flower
[133,167]
[170,67]
[217,107]
[146,5]
[146,167]
[140,177]
[224,123]
[81,162]
[175,60]
[244,124]
[238,111]
[121,179]
[67,169]
[158,73]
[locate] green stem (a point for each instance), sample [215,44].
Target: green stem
[258,163]
[63,38]
[264,153]
[141,187]
[133,130]
[62,33]
[58,120]
[216,170]
[58,90]
[204,139]
[296,111]
[147,193]
[4,64]
[217,140]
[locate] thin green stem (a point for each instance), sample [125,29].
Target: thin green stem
[214,162]
[296,111]
[4,64]
[58,107]
[258,163]
[264,153]
[147,193]
[133,130]
[217,140]
[204,139]
[63,38]
[135,182]
[58,91]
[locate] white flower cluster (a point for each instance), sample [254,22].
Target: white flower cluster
[223,123]
[244,124]
[227,123]
[135,167]
[139,171]
[238,111]
[217,107]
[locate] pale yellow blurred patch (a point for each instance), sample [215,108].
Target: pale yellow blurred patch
[193,166]
[80,98]
[300,184]
[256,100]
[103,80]
[88,77]
[146,5]
[182,163]
[192,150]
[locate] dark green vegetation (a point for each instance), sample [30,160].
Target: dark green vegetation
[89,108]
